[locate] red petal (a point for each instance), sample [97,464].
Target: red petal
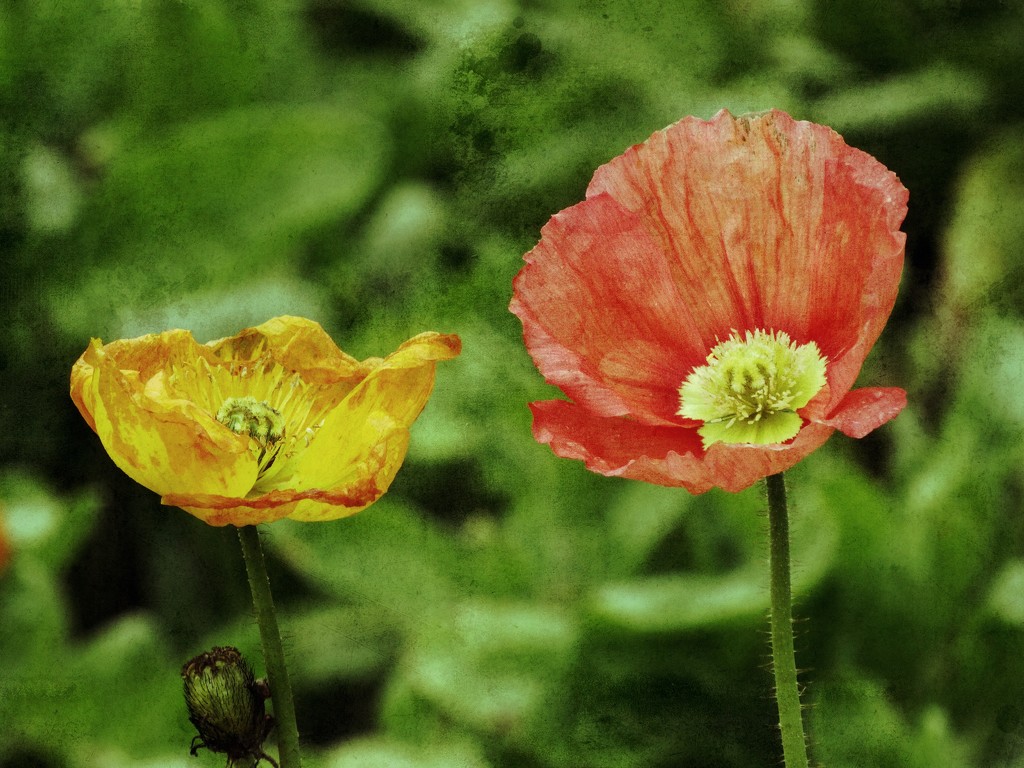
[621,447]
[771,223]
[602,314]
[224,510]
[735,467]
[671,456]
[863,410]
[710,227]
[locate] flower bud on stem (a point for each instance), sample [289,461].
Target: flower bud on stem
[787,691]
[225,704]
[273,652]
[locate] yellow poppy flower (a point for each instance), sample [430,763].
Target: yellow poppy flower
[273,422]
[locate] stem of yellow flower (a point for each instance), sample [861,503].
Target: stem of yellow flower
[787,689]
[273,651]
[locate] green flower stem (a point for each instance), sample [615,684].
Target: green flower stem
[273,652]
[787,691]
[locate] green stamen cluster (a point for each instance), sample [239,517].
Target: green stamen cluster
[258,420]
[248,415]
[751,388]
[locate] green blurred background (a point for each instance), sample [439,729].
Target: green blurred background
[381,167]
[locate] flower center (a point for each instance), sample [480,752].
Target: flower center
[263,424]
[254,396]
[751,388]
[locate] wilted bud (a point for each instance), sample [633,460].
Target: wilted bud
[225,704]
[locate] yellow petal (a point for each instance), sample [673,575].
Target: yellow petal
[153,401]
[365,437]
[167,445]
[226,510]
[298,344]
[367,481]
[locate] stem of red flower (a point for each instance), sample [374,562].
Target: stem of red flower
[273,652]
[787,689]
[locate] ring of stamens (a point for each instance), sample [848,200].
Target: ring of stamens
[751,388]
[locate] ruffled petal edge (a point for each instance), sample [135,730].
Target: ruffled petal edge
[365,483]
[602,316]
[298,344]
[864,410]
[166,446]
[670,456]
[829,220]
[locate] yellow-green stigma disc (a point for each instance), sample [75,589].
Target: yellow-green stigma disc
[751,388]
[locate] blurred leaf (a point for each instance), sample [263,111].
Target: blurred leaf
[680,602]
[991,374]
[214,201]
[873,526]
[676,603]
[532,107]
[491,667]
[33,625]
[388,753]
[640,517]
[121,689]
[670,43]
[192,57]
[489,384]
[1006,595]
[40,523]
[911,568]
[52,194]
[128,668]
[856,726]
[214,314]
[328,643]
[398,250]
[406,227]
[939,90]
[446,22]
[356,559]
[982,245]
[553,538]
[112,757]
[803,58]
[65,49]
[896,35]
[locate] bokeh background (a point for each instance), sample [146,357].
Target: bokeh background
[381,167]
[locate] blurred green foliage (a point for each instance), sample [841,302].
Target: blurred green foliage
[380,167]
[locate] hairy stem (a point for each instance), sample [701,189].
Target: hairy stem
[787,690]
[273,652]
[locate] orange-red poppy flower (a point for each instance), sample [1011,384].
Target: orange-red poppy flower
[709,305]
[273,422]
[6,551]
